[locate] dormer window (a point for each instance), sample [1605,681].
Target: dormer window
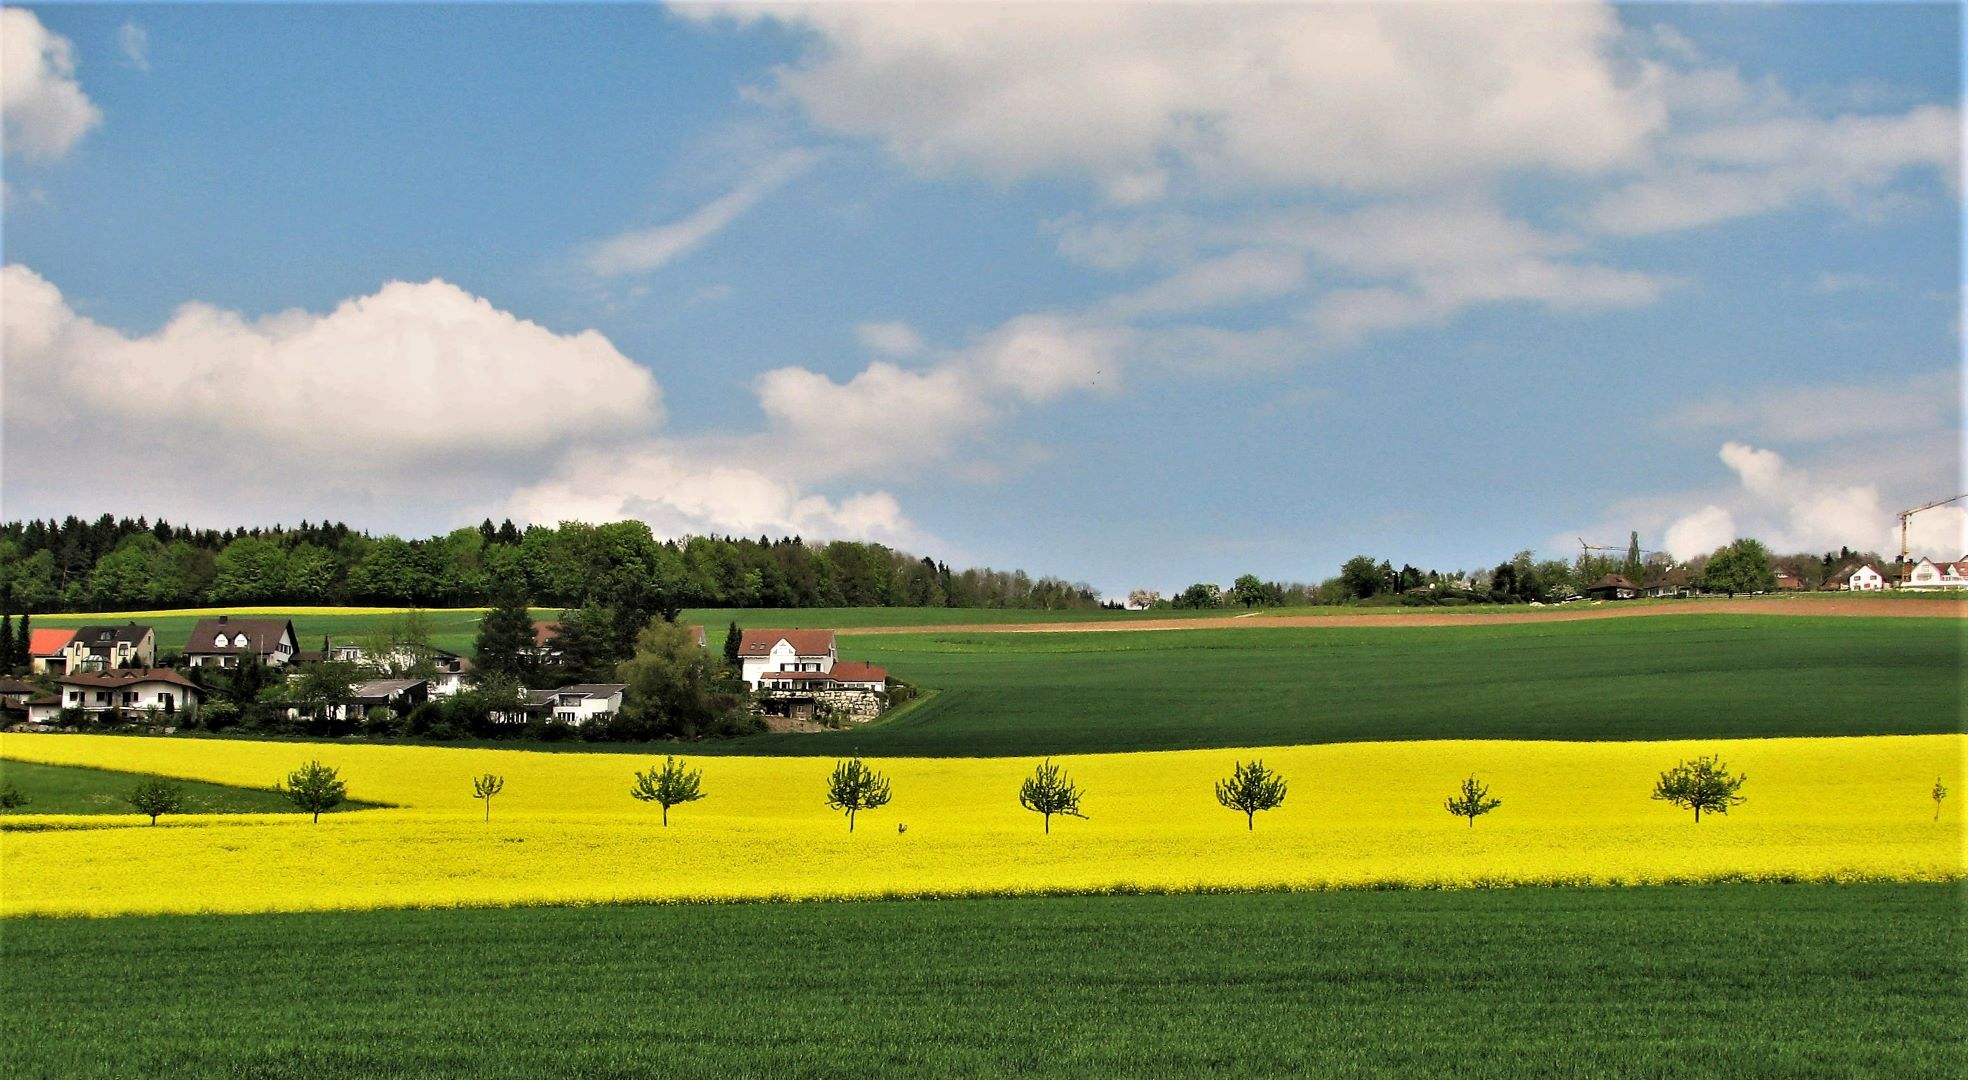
[219,642]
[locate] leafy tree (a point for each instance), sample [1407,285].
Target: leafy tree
[669,687]
[854,787]
[1049,791]
[1249,789]
[1248,590]
[1631,569]
[325,687]
[156,796]
[1198,596]
[13,798]
[484,787]
[1701,784]
[1361,577]
[671,785]
[505,635]
[399,647]
[734,639]
[1144,598]
[1937,795]
[1743,566]
[1473,802]
[315,787]
[586,642]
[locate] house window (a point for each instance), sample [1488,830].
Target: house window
[129,697]
[219,642]
[75,697]
[102,697]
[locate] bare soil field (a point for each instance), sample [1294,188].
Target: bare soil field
[1867,607]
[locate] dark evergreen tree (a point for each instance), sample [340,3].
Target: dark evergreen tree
[505,636]
[733,638]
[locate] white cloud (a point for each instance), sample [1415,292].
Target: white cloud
[416,407]
[134,43]
[681,491]
[1041,357]
[647,249]
[898,340]
[44,108]
[1823,412]
[1699,533]
[886,420]
[1139,98]
[1240,277]
[1736,170]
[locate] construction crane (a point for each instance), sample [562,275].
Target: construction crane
[1904,515]
[1621,551]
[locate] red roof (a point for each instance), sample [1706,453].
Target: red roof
[47,642]
[804,642]
[856,671]
[544,633]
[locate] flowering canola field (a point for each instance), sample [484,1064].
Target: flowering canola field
[1358,815]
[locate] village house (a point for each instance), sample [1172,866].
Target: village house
[131,690]
[397,695]
[1612,587]
[47,650]
[104,648]
[1928,574]
[578,704]
[762,651]
[223,641]
[1861,578]
[798,673]
[447,678]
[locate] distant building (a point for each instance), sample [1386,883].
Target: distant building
[779,651]
[104,648]
[47,650]
[1861,578]
[579,704]
[225,641]
[131,690]
[1612,587]
[1930,575]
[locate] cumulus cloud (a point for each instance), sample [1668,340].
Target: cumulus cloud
[46,113]
[641,250]
[892,339]
[133,42]
[1794,509]
[414,407]
[1145,99]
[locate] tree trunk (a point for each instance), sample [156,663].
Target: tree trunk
[850,821]
[1698,815]
[1048,824]
[1472,821]
[1250,821]
[666,816]
[153,819]
[317,817]
[488,808]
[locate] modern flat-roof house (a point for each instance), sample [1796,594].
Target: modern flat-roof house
[131,690]
[224,641]
[580,703]
[103,648]
[47,650]
[781,651]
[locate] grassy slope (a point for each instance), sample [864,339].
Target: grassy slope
[67,789]
[1732,980]
[1666,677]
[457,628]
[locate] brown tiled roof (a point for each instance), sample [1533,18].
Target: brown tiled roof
[128,677]
[856,671]
[261,635]
[804,642]
[16,686]
[544,633]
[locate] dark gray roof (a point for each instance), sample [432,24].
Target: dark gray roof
[100,639]
[261,635]
[602,689]
[382,689]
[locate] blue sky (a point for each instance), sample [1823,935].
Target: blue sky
[1136,296]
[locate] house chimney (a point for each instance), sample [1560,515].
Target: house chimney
[223,618]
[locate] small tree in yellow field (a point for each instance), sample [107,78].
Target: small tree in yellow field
[1937,795]
[671,785]
[854,787]
[1701,784]
[1249,789]
[1049,791]
[484,787]
[1473,802]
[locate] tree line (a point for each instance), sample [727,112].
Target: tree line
[120,564]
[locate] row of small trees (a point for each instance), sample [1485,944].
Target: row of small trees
[1704,784]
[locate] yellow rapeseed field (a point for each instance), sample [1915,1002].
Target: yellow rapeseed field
[1369,814]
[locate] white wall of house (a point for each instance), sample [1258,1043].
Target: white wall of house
[1932,575]
[164,697]
[783,657]
[581,708]
[1866,579]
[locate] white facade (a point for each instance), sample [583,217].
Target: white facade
[580,704]
[1866,579]
[1932,575]
[784,657]
[132,697]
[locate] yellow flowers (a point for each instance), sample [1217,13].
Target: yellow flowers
[1366,814]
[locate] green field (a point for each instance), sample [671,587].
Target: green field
[1691,981]
[1666,677]
[68,789]
[456,629]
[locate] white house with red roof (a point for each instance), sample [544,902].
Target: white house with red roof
[131,690]
[1928,574]
[47,650]
[784,652]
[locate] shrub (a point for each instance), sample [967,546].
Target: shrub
[156,796]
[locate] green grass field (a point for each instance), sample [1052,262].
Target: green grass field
[1667,677]
[456,629]
[1709,981]
[67,789]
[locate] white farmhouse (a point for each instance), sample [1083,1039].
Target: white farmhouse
[763,651]
[1867,579]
